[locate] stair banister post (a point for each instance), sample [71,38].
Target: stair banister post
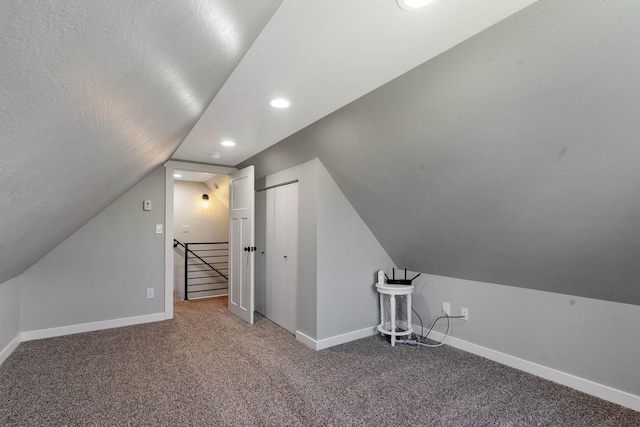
[186,271]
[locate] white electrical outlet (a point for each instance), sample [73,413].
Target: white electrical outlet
[464,312]
[146,205]
[446,308]
[150,293]
[158,228]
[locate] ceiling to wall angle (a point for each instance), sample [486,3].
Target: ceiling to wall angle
[321,55]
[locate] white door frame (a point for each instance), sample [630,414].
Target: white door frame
[170,167]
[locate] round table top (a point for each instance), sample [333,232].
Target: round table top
[385,288]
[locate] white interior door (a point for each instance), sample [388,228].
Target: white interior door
[282,255]
[241,244]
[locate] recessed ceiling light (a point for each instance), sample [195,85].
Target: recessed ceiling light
[214,155]
[280,103]
[412,5]
[177,175]
[228,143]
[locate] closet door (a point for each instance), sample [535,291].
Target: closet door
[282,255]
[261,244]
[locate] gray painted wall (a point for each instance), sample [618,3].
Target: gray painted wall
[337,260]
[9,313]
[592,339]
[511,158]
[589,338]
[349,256]
[103,270]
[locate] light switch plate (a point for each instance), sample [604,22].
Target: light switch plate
[158,228]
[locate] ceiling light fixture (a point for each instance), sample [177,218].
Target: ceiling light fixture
[228,143]
[413,5]
[215,155]
[280,103]
[177,175]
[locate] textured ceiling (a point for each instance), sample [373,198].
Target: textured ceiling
[512,158]
[94,95]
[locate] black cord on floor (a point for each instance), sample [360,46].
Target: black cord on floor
[421,339]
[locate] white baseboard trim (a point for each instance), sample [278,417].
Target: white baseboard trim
[93,326]
[6,352]
[586,386]
[208,296]
[306,340]
[335,340]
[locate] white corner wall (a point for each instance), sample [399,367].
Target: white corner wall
[349,256]
[588,344]
[9,317]
[99,276]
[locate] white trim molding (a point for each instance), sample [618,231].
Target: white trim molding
[76,329]
[6,352]
[581,384]
[335,340]
[170,167]
[89,327]
[168,242]
[200,167]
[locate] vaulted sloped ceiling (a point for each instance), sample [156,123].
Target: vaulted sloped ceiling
[512,158]
[94,95]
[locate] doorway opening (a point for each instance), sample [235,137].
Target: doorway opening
[202,221]
[201,234]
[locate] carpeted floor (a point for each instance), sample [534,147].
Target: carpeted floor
[207,367]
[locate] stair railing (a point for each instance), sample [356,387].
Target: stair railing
[206,266]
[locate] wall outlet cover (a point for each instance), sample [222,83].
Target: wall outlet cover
[446,308]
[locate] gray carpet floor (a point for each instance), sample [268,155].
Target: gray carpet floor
[207,367]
